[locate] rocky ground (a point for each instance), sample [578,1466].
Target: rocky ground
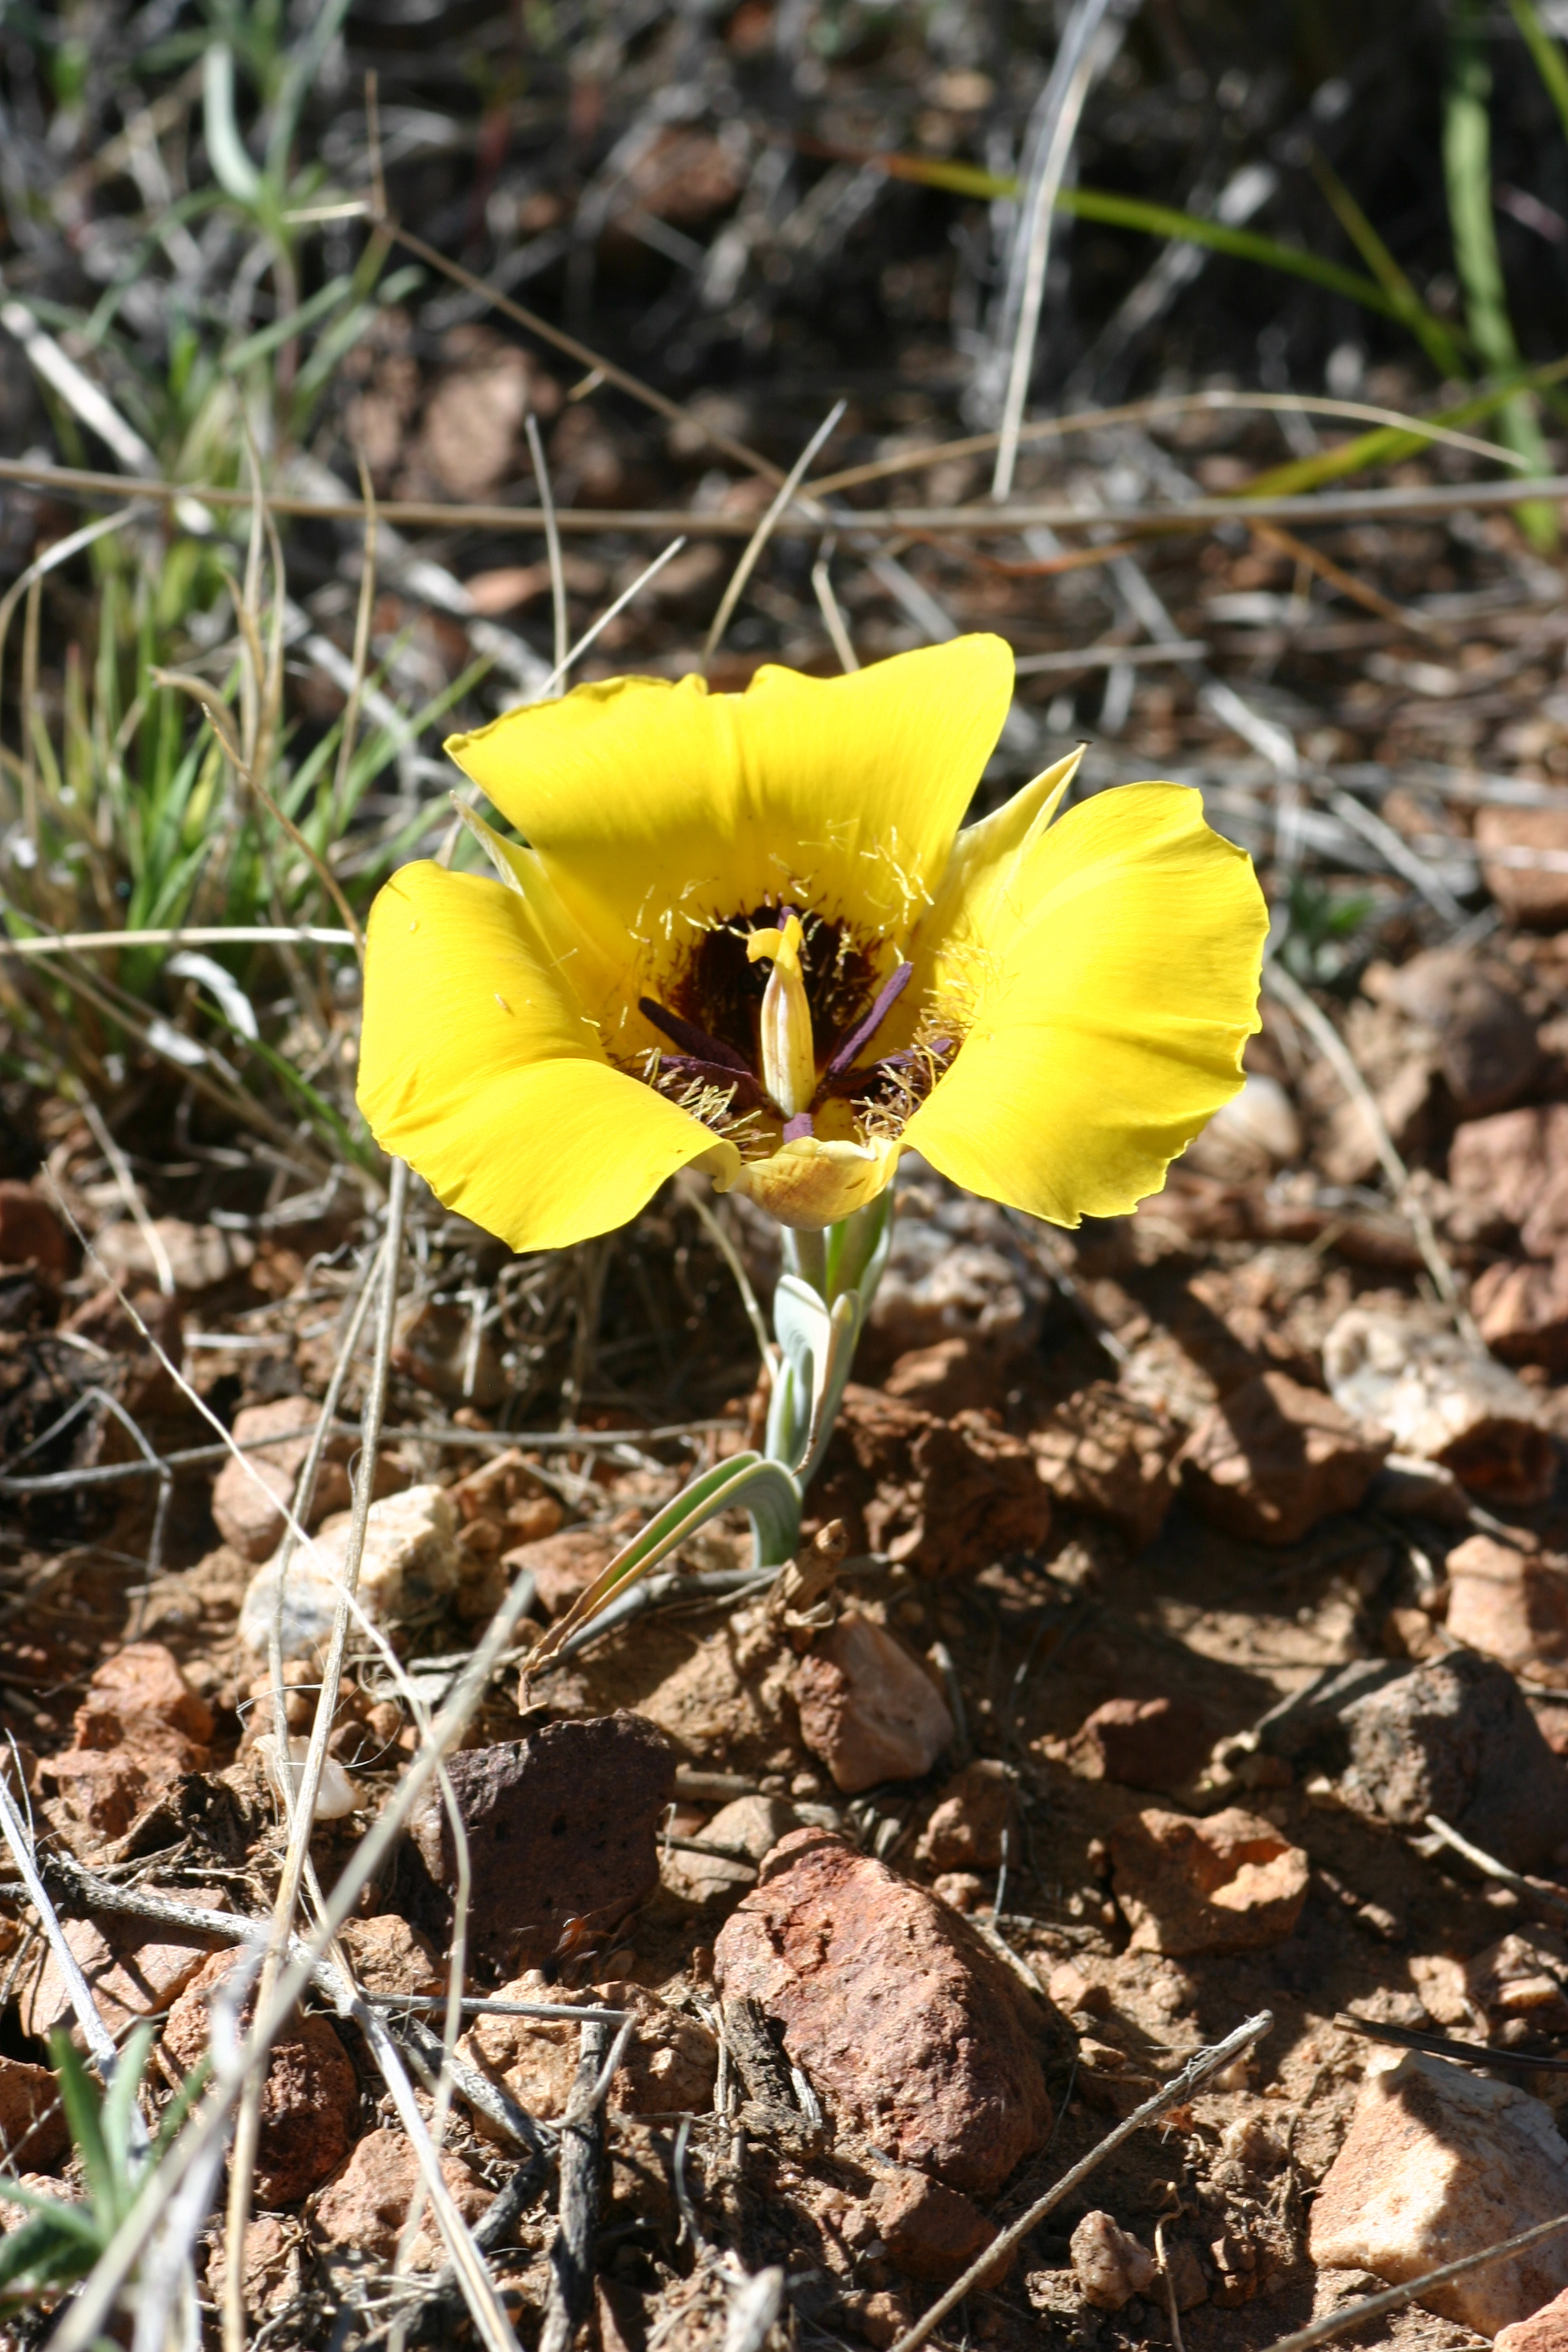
[1199,1568]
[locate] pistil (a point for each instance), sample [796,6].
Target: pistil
[788,1052]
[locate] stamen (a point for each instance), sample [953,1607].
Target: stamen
[741,1085]
[861,1036]
[689,1038]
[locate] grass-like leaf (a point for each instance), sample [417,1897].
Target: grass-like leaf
[1468,179]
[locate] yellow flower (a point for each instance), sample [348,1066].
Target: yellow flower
[746,933]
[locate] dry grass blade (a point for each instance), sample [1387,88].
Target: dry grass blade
[364,611]
[765,529]
[1278,982]
[201,693]
[302,1799]
[562,638]
[185,935]
[1078,60]
[94,2031]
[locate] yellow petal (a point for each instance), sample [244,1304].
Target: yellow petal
[1110,987]
[479,1067]
[655,806]
[809,1183]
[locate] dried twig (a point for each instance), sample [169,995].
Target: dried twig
[582,2152]
[1546,1898]
[1426,500]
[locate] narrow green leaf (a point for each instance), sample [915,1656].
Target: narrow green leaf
[1386,444]
[1467,175]
[46,2252]
[82,2100]
[1547,57]
[293,322]
[1436,340]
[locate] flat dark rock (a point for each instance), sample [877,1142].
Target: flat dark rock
[561,1828]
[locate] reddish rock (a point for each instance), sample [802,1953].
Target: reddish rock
[970,1819]
[133,1970]
[33,2134]
[974,1495]
[1456,1737]
[1531,892]
[505,1489]
[389,1956]
[1438,2163]
[248,1502]
[1110,1456]
[564,1565]
[310,2102]
[1520,1308]
[561,1827]
[272,2250]
[1484,1040]
[867,1708]
[1273,1458]
[30,1233]
[139,1697]
[1513,1605]
[140,1728]
[1231,1883]
[1147,1743]
[364,2209]
[1513,1167]
[1110,2267]
[901,2017]
[930,2232]
[670,2066]
[957,1375]
[1545,2330]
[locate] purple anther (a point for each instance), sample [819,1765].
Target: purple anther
[861,1036]
[689,1038]
[800,1126]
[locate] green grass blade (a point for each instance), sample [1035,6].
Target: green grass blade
[82,2101]
[1387,445]
[1241,244]
[293,322]
[46,2252]
[1438,341]
[1147,220]
[1468,179]
[1545,54]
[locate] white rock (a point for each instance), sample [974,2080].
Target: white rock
[1441,1401]
[936,1288]
[411,1563]
[1259,1124]
[337,1792]
[1438,2163]
[199,1256]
